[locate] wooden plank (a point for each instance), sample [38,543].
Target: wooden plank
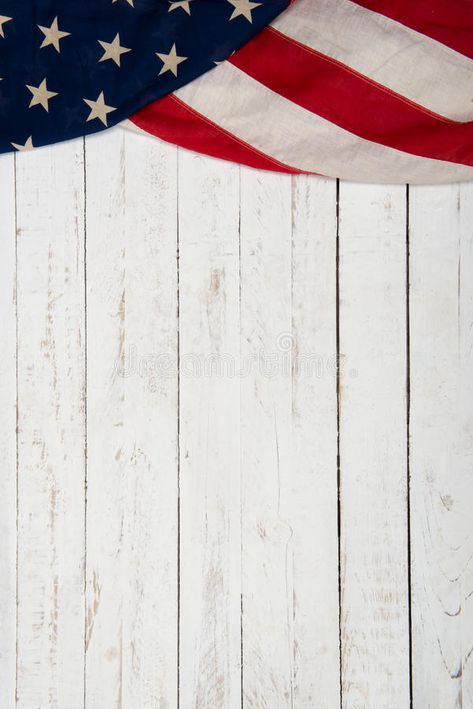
[288,448]
[8,433]
[373,447]
[131,629]
[51,457]
[209,318]
[441,451]
[266,452]
[313,488]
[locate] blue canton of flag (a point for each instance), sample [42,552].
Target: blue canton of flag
[72,67]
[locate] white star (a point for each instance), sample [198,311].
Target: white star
[41,95]
[53,35]
[3,19]
[183,4]
[130,2]
[99,109]
[170,61]
[243,7]
[113,50]
[27,146]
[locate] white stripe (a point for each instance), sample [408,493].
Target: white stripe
[299,138]
[129,125]
[411,64]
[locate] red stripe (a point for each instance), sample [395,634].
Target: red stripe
[171,120]
[447,21]
[348,99]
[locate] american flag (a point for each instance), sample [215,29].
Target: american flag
[72,67]
[370,90]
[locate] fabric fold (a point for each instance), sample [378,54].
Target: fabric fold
[370,91]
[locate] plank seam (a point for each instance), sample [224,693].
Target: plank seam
[16,424]
[408,445]
[178,355]
[84,158]
[338,387]
[241,505]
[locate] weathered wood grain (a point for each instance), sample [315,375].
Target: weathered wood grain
[313,487]
[441,345]
[51,456]
[268,608]
[373,447]
[8,433]
[209,412]
[132,423]
[177,539]
[266,454]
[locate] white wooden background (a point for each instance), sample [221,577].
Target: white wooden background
[250,529]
